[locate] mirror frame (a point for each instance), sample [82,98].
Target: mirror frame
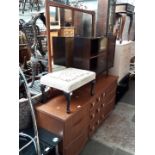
[58,5]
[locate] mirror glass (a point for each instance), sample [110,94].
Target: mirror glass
[54,17]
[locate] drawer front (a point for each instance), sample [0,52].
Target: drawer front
[74,125]
[109,93]
[77,145]
[109,107]
[50,123]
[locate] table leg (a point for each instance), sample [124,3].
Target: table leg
[42,87]
[68,98]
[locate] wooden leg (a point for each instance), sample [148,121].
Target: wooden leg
[92,92]
[42,87]
[68,98]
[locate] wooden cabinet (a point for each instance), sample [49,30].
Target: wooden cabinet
[95,54]
[87,114]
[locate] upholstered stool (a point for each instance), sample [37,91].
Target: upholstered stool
[68,80]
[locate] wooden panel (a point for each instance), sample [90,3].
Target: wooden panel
[45,121]
[75,124]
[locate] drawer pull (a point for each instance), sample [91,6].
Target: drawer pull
[93,104]
[92,116]
[98,122]
[98,110]
[98,100]
[103,95]
[102,104]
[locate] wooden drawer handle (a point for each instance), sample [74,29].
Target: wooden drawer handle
[98,122]
[92,116]
[93,104]
[102,104]
[98,99]
[103,95]
[98,110]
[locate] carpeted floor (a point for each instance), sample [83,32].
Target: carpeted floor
[116,136]
[118,130]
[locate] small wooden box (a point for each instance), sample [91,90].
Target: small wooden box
[66,32]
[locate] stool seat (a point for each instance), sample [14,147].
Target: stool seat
[68,79]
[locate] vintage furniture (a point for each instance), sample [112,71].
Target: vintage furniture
[124,10]
[95,54]
[34,42]
[68,80]
[88,113]
[50,3]
[105,17]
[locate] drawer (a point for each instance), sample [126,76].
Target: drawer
[74,126]
[77,145]
[49,123]
[108,94]
[109,107]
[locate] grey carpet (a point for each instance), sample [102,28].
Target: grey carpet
[118,130]
[95,148]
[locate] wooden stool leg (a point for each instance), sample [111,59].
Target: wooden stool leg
[42,87]
[68,98]
[92,91]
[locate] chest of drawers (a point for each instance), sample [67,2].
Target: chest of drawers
[87,114]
